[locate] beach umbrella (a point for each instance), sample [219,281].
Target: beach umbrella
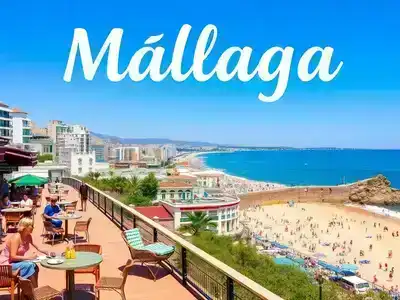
[349,267]
[28,180]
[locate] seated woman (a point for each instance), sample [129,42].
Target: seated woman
[51,211]
[5,202]
[16,248]
[26,201]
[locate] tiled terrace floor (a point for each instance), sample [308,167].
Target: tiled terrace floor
[139,285]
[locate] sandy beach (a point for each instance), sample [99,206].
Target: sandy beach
[313,228]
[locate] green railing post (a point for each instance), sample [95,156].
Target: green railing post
[122,217]
[184,266]
[230,293]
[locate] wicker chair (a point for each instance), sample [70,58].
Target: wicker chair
[89,248]
[41,293]
[50,231]
[82,226]
[146,254]
[8,280]
[13,218]
[116,284]
[71,207]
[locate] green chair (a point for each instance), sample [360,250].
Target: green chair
[150,254]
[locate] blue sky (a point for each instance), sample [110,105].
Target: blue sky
[359,108]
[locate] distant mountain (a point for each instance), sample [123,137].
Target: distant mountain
[144,141]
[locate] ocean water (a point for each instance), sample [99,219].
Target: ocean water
[309,167]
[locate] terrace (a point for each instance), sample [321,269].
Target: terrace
[194,274]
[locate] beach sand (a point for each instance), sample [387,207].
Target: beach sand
[357,225]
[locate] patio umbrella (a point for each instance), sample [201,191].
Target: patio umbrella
[349,267]
[28,180]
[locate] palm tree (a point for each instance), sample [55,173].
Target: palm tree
[96,175]
[199,221]
[133,185]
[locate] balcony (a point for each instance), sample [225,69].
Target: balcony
[193,273]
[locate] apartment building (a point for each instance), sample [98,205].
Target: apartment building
[21,125]
[5,122]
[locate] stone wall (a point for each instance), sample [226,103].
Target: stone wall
[375,190]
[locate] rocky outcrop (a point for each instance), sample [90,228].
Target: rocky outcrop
[375,190]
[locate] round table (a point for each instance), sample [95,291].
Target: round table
[63,203]
[17,209]
[67,217]
[83,260]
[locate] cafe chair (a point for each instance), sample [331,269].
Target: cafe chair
[13,218]
[150,254]
[89,248]
[9,280]
[82,226]
[116,284]
[50,232]
[41,293]
[71,207]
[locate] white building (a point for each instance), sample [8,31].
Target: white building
[73,148]
[168,152]
[127,154]
[5,122]
[223,210]
[21,125]
[82,163]
[182,194]
[46,170]
[209,178]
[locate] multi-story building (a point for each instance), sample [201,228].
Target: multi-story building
[99,147]
[82,163]
[209,178]
[182,194]
[43,144]
[21,125]
[127,154]
[55,129]
[5,122]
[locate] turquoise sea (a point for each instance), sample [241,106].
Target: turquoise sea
[309,167]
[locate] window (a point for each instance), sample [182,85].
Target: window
[26,132]
[4,114]
[25,123]
[80,161]
[80,170]
[90,161]
[171,194]
[180,194]
[25,139]
[163,192]
[4,123]
[90,169]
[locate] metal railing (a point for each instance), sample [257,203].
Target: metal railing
[201,273]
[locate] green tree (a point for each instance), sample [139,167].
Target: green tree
[132,186]
[199,221]
[139,200]
[96,175]
[45,157]
[149,186]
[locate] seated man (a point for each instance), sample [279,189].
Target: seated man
[26,201]
[51,210]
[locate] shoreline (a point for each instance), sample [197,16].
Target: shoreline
[246,185]
[333,233]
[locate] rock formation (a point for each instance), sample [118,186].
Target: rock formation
[375,190]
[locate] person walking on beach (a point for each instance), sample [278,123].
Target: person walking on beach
[83,191]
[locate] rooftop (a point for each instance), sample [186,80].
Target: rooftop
[175,185]
[155,211]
